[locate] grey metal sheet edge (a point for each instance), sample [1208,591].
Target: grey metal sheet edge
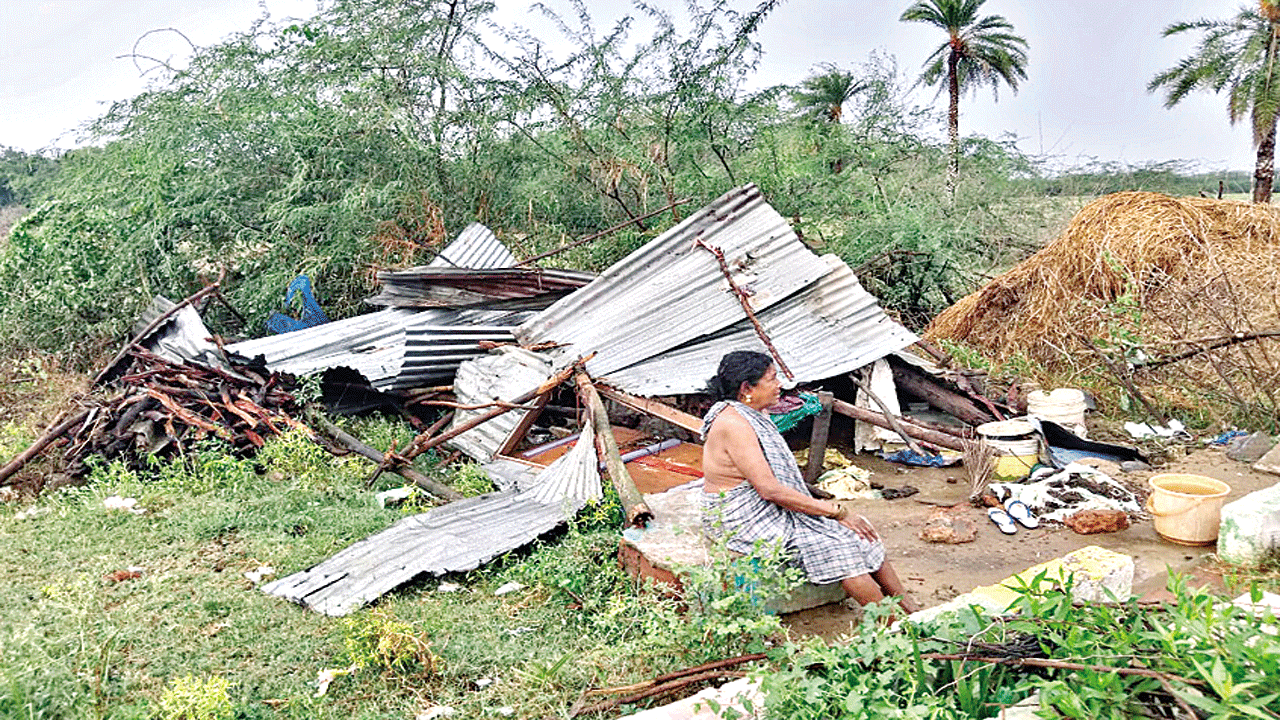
[475,247]
[455,537]
[669,291]
[832,327]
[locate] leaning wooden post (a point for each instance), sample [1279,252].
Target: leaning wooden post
[818,440]
[633,506]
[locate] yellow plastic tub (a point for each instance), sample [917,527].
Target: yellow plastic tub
[1187,509]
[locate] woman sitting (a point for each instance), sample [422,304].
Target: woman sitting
[753,490]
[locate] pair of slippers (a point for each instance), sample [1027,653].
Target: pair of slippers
[1012,510]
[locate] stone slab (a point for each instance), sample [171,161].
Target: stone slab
[1099,575]
[1249,533]
[1269,463]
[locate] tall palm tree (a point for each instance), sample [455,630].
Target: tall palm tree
[978,51]
[824,95]
[1241,56]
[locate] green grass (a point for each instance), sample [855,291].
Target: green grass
[77,643]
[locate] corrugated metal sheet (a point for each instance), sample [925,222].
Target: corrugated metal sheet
[476,247]
[670,291]
[182,338]
[574,475]
[393,348]
[459,536]
[507,373]
[833,327]
[459,287]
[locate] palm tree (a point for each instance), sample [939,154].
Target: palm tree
[825,94]
[978,51]
[1241,56]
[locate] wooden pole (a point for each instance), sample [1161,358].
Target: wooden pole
[897,425]
[940,397]
[352,443]
[934,437]
[637,513]
[662,411]
[818,440]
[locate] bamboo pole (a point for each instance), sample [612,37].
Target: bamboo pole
[934,437]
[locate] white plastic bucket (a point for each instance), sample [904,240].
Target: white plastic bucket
[1064,406]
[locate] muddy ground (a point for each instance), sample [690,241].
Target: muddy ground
[936,573]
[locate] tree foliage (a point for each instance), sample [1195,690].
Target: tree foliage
[1241,56]
[978,51]
[364,137]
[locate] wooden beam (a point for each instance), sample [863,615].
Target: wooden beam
[933,437]
[818,440]
[633,505]
[662,411]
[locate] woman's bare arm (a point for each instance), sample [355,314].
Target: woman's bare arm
[732,432]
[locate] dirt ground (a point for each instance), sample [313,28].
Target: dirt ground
[935,573]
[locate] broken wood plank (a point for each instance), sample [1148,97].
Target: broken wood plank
[888,414]
[940,397]
[657,409]
[633,505]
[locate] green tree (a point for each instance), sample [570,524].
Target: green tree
[824,95]
[1241,56]
[978,51]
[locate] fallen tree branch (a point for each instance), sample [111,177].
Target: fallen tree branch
[602,233]
[39,445]
[1058,665]
[1125,381]
[659,689]
[1214,343]
[935,437]
[746,306]
[352,443]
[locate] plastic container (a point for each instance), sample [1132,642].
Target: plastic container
[1017,447]
[1187,508]
[1064,406]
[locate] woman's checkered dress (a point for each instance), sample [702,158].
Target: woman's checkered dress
[826,550]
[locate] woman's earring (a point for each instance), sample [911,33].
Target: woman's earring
[748,397]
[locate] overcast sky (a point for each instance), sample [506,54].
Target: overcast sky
[1084,97]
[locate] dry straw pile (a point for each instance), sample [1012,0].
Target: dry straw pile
[1176,295]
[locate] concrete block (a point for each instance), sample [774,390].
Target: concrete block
[1249,533]
[1098,574]
[1269,463]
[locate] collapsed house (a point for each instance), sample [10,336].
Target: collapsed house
[731,276]
[507,343]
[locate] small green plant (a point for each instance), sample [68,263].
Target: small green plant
[470,480]
[378,640]
[191,698]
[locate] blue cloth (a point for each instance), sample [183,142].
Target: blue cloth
[311,314]
[1227,437]
[908,456]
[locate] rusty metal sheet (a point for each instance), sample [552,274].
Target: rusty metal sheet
[670,291]
[460,287]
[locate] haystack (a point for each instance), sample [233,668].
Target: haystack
[1180,293]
